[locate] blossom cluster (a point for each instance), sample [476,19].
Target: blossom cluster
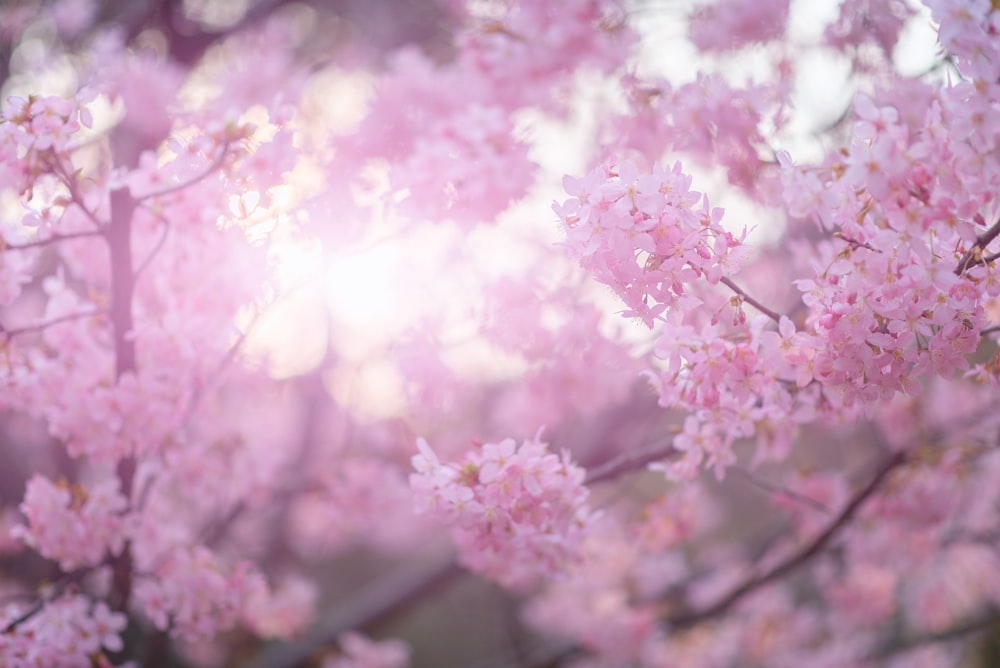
[73,524]
[733,24]
[194,594]
[35,134]
[432,123]
[646,236]
[517,512]
[144,292]
[67,633]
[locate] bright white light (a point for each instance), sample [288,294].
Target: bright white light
[364,288]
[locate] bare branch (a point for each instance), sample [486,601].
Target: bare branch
[686,619]
[628,463]
[37,327]
[756,480]
[373,604]
[55,238]
[987,618]
[156,249]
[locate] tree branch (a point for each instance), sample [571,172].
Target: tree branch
[757,481]
[984,620]
[628,462]
[55,238]
[373,604]
[687,619]
[193,180]
[974,256]
[985,331]
[122,286]
[11,333]
[152,254]
[75,195]
[773,315]
[55,591]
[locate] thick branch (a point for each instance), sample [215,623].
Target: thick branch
[122,286]
[122,280]
[687,619]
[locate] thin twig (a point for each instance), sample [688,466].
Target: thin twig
[38,326]
[55,591]
[55,238]
[987,618]
[156,249]
[775,489]
[973,256]
[193,180]
[628,462]
[773,315]
[76,196]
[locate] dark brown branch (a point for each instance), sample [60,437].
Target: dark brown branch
[773,315]
[974,255]
[687,619]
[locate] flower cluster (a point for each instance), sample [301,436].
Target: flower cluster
[517,512]
[432,123]
[646,237]
[68,633]
[34,133]
[437,175]
[534,44]
[733,24]
[73,524]
[194,594]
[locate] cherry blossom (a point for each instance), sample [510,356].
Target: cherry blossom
[256,258]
